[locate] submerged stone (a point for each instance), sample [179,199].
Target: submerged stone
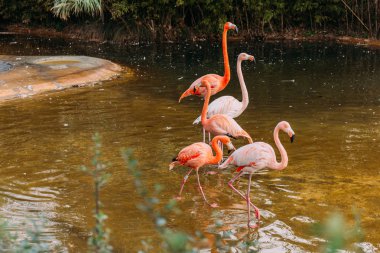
[5,66]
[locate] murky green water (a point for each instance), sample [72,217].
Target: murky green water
[333,106]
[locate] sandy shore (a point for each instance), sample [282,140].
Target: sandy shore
[23,76]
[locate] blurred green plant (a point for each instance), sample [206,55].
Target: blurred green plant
[337,234]
[173,241]
[31,242]
[99,240]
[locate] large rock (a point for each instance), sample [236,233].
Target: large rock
[22,76]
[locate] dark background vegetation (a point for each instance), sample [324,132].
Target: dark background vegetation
[178,20]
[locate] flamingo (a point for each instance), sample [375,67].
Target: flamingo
[220,124]
[218,82]
[229,105]
[257,156]
[197,155]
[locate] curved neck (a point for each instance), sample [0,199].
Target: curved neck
[205,105]
[284,156]
[218,152]
[244,92]
[227,74]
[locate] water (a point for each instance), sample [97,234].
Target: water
[332,105]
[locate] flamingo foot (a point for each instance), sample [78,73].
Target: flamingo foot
[214,205]
[252,226]
[212,172]
[179,198]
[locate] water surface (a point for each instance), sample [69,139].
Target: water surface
[332,105]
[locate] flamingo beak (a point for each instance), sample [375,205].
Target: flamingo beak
[292,138]
[185,94]
[251,58]
[230,147]
[236,29]
[231,136]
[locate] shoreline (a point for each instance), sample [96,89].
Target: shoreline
[81,33]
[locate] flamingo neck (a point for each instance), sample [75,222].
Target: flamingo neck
[205,105]
[284,156]
[244,91]
[227,74]
[218,152]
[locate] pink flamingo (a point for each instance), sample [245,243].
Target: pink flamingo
[257,156]
[229,105]
[217,82]
[220,124]
[197,155]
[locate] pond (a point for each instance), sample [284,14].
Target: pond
[329,93]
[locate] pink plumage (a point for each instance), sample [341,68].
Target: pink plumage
[256,156]
[197,155]
[220,124]
[229,105]
[217,82]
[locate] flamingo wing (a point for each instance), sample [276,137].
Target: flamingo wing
[227,105]
[222,124]
[194,155]
[214,80]
[257,155]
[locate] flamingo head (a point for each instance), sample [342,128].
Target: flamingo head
[225,140]
[192,90]
[230,26]
[195,89]
[245,57]
[285,126]
[230,147]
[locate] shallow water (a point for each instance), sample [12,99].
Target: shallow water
[333,105]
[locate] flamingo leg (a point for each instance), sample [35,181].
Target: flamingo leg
[230,184]
[204,135]
[249,206]
[220,144]
[209,137]
[200,188]
[184,182]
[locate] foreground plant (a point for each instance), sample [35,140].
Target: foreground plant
[99,240]
[31,242]
[172,240]
[337,234]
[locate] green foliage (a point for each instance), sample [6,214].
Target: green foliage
[337,233]
[64,8]
[33,11]
[31,243]
[165,19]
[99,240]
[173,241]
[6,238]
